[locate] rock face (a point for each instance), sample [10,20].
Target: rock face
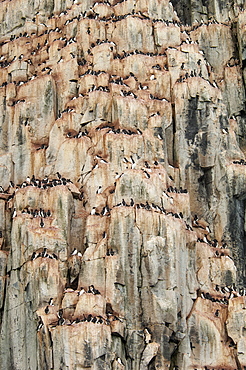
[123,185]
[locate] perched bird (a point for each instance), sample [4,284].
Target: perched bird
[217,313]
[93,290]
[46,310]
[147,336]
[120,361]
[61,321]
[99,190]
[82,291]
[40,324]
[44,253]
[34,256]
[14,213]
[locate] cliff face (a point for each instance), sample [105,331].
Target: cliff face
[123,182]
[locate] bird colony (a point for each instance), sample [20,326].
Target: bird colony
[123,185]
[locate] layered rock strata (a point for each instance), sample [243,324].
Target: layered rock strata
[122,196]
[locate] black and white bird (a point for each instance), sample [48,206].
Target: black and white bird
[82,291]
[99,190]
[61,321]
[46,310]
[34,256]
[120,361]
[40,324]
[105,211]
[92,290]
[147,336]
[44,253]
[14,213]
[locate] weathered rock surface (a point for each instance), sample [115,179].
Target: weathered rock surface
[123,172]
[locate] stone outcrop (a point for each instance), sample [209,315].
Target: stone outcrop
[123,172]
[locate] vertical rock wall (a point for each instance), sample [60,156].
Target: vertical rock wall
[123,185]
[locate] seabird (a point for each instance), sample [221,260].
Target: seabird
[146,174]
[105,210]
[89,317]
[82,291]
[100,320]
[46,310]
[93,290]
[119,361]
[40,324]
[61,321]
[93,211]
[74,252]
[147,206]
[44,253]
[76,321]
[41,223]
[99,190]
[147,336]
[118,176]
[34,256]
[205,239]
[215,243]
[14,213]
[60,313]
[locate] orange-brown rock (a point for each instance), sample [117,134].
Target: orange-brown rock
[122,192]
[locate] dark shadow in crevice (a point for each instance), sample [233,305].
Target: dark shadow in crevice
[238,237]
[183,10]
